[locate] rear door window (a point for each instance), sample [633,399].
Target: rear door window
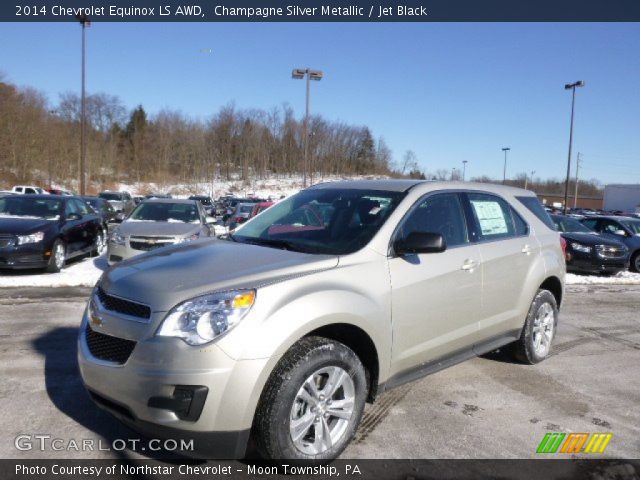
[492,216]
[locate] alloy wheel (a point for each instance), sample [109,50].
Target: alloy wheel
[58,256]
[543,326]
[322,410]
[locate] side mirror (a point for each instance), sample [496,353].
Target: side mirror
[74,216]
[420,242]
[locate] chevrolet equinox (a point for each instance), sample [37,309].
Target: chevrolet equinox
[282,330]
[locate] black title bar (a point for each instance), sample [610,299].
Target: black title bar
[322,11]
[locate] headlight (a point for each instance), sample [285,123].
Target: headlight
[578,247]
[117,238]
[202,319]
[33,238]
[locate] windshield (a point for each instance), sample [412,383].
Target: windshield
[165,212]
[111,196]
[566,224]
[15,206]
[633,225]
[331,221]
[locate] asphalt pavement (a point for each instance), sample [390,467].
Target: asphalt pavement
[487,407]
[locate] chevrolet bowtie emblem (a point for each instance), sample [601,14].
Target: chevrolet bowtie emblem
[96,320]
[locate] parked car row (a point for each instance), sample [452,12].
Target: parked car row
[600,244]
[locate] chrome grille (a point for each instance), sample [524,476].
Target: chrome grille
[146,244]
[610,251]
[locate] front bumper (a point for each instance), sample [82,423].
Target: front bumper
[30,255]
[157,368]
[583,263]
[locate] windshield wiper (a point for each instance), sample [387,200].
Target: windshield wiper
[269,242]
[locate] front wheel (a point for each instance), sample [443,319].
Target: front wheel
[57,258]
[534,344]
[635,263]
[313,402]
[99,243]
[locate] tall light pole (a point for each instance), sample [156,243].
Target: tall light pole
[85,22]
[464,169]
[299,74]
[572,87]
[504,171]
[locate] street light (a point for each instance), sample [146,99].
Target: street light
[504,171]
[572,87]
[464,169]
[85,22]
[299,74]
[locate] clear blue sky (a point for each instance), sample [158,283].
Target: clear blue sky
[450,92]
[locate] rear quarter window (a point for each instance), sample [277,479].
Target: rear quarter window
[535,207]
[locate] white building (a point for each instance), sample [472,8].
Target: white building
[620,196]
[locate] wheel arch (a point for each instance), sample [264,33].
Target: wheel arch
[554,285]
[363,346]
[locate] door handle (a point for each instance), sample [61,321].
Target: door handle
[469,265]
[526,250]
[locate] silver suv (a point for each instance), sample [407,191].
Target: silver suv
[283,330]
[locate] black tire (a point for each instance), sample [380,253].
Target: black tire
[634,265]
[54,266]
[273,416]
[524,349]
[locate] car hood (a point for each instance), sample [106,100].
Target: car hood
[165,277]
[590,239]
[152,229]
[23,226]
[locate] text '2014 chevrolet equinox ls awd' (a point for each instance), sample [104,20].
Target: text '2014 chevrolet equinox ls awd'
[283,330]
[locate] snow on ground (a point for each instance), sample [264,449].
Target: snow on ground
[86,272]
[622,278]
[77,273]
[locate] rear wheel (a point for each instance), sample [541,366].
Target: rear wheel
[534,344]
[313,402]
[635,262]
[57,258]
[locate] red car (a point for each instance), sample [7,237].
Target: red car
[259,207]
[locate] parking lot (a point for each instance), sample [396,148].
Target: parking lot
[484,408]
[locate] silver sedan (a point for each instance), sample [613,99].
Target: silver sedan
[156,223]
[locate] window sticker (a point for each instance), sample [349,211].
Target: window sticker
[490,216]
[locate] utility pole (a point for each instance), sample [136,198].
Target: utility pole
[464,169]
[526,179]
[575,196]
